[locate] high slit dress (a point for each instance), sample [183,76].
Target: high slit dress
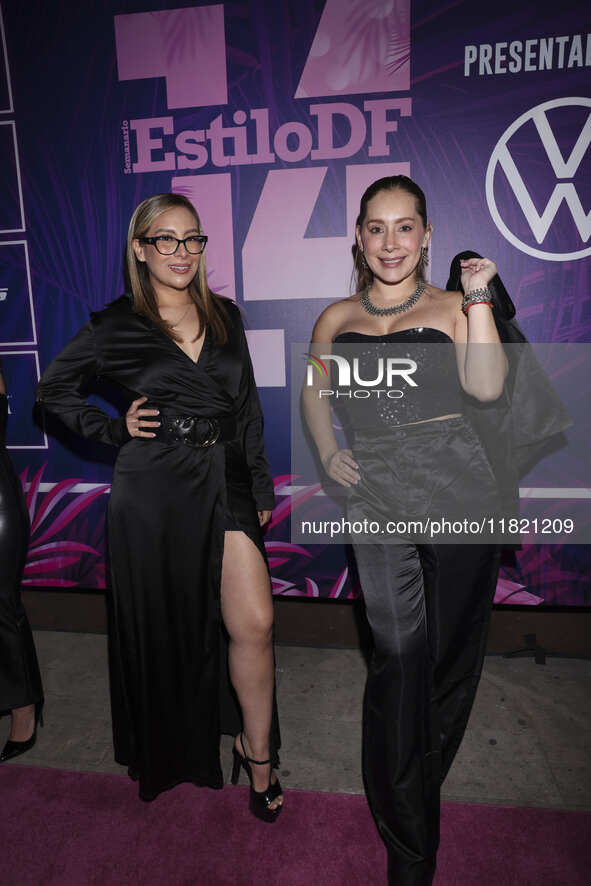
[170,505]
[428,604]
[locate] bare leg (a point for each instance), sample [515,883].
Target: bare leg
[247,610]
[22,723]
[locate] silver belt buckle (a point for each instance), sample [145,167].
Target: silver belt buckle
[213,433]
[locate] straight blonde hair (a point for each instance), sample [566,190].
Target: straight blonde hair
[210,306]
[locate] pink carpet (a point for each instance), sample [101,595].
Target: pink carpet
[73,829]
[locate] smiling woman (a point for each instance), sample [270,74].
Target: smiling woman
[191,491]
[167,271]
[413,458]
[392,237]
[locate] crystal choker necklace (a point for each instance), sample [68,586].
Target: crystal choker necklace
[368,305]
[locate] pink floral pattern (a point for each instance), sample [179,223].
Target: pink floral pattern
[67,549]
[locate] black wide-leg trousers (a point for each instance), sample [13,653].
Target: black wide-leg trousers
[428,607]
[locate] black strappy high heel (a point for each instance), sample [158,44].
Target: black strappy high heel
[259,801]
[16,748]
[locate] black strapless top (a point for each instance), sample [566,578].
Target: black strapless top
[438,391]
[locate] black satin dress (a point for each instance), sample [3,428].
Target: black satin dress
[170,505]
[428,604]
[20,680]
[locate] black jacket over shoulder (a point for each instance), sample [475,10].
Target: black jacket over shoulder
[528,421]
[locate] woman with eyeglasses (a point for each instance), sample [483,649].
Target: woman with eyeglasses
[191,491]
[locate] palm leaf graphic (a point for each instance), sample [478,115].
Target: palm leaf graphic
[293,585]
[50,558]
[52,499]
[339,584]
[71,511]
[45,558]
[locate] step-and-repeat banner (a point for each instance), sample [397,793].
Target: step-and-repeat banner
[273,118]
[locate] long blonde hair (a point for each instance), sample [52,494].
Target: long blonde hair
[210,306]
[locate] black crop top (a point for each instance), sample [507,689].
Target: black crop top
[437,391]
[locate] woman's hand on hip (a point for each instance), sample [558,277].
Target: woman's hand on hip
[477,273]
[264,517]
[342,467]
[135,419]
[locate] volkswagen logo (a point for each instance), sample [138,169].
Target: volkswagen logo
[555,170]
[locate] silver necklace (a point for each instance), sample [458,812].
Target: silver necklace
[369,306]
[178,322]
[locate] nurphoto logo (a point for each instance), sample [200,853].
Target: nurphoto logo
[346,372]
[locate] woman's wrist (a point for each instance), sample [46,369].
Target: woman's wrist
[476,296]
[475,303]
[328,457]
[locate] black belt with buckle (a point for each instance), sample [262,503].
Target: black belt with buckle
[195,430]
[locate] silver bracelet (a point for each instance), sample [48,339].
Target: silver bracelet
[476,297]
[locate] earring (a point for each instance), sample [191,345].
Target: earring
[363,260]
[424,256]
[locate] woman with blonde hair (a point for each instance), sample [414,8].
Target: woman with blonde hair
[191,491]
[413,459]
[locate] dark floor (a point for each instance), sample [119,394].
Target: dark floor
[528,742]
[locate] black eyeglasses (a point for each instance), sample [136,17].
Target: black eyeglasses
[168,245]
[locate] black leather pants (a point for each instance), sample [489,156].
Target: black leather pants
[428,607]
[20,680]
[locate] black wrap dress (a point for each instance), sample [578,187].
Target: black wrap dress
[169,507]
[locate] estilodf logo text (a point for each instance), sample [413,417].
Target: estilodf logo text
[346,373]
